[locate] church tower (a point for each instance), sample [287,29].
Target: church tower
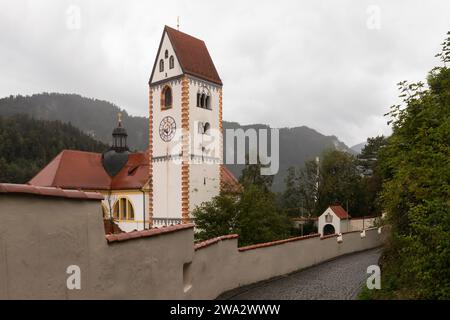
[185,136]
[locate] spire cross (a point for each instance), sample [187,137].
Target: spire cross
[178,23]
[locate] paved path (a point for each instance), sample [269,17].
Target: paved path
[341,279]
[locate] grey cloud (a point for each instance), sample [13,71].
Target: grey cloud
[283,63]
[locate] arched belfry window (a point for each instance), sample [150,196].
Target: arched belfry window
[204,99]
[171,62]
[166,98]
[123,209]
[161,65]
[166,54]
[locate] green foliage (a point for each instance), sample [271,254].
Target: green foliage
[339,182]
[299,197]
[251,175]
[310,190]
[416,168]
[253,214]
[371,182]
[27,145]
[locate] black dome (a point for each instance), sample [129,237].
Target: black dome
[114,161]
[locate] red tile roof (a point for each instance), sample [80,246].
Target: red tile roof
[229,181]
[192,55]
[340,212]
[278,242]
[84,170]
[48,192]
[207,243]
[146,233]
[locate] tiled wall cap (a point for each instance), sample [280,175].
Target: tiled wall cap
[146,233]
[48,191]
[278,242]
[207,243]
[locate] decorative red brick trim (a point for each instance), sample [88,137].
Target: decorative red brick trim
[146,233]
[49,191]
[275,243]
[150,158]
[329,236]
[207,243]
[221,182]
[185,149]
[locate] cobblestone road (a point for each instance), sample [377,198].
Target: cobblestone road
[341,279]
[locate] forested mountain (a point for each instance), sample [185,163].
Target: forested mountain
[27,145]
[297,145]
[97,118]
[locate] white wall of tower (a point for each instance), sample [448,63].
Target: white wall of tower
[166,173]
[204,177]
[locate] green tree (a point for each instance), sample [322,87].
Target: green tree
[291,198]
[251,175]
[253,214]
[339,182]
[416,171]
[27,145]
[371,182]
[308,187]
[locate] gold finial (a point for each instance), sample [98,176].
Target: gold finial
[178,23]
[119,116]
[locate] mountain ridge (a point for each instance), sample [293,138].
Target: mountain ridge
[97,118]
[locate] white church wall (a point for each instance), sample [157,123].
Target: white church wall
[204,184]
[136,199]
[160,147]
[166,172]
[345,226]
[166,190]
[360,223]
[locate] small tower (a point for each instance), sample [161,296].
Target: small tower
[117,156]
[120,136]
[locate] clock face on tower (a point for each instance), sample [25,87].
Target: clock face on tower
[167,128]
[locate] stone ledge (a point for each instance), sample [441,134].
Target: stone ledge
[146,233]
[278,242]
[207,243]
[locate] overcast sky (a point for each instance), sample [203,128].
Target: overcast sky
[330,65]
